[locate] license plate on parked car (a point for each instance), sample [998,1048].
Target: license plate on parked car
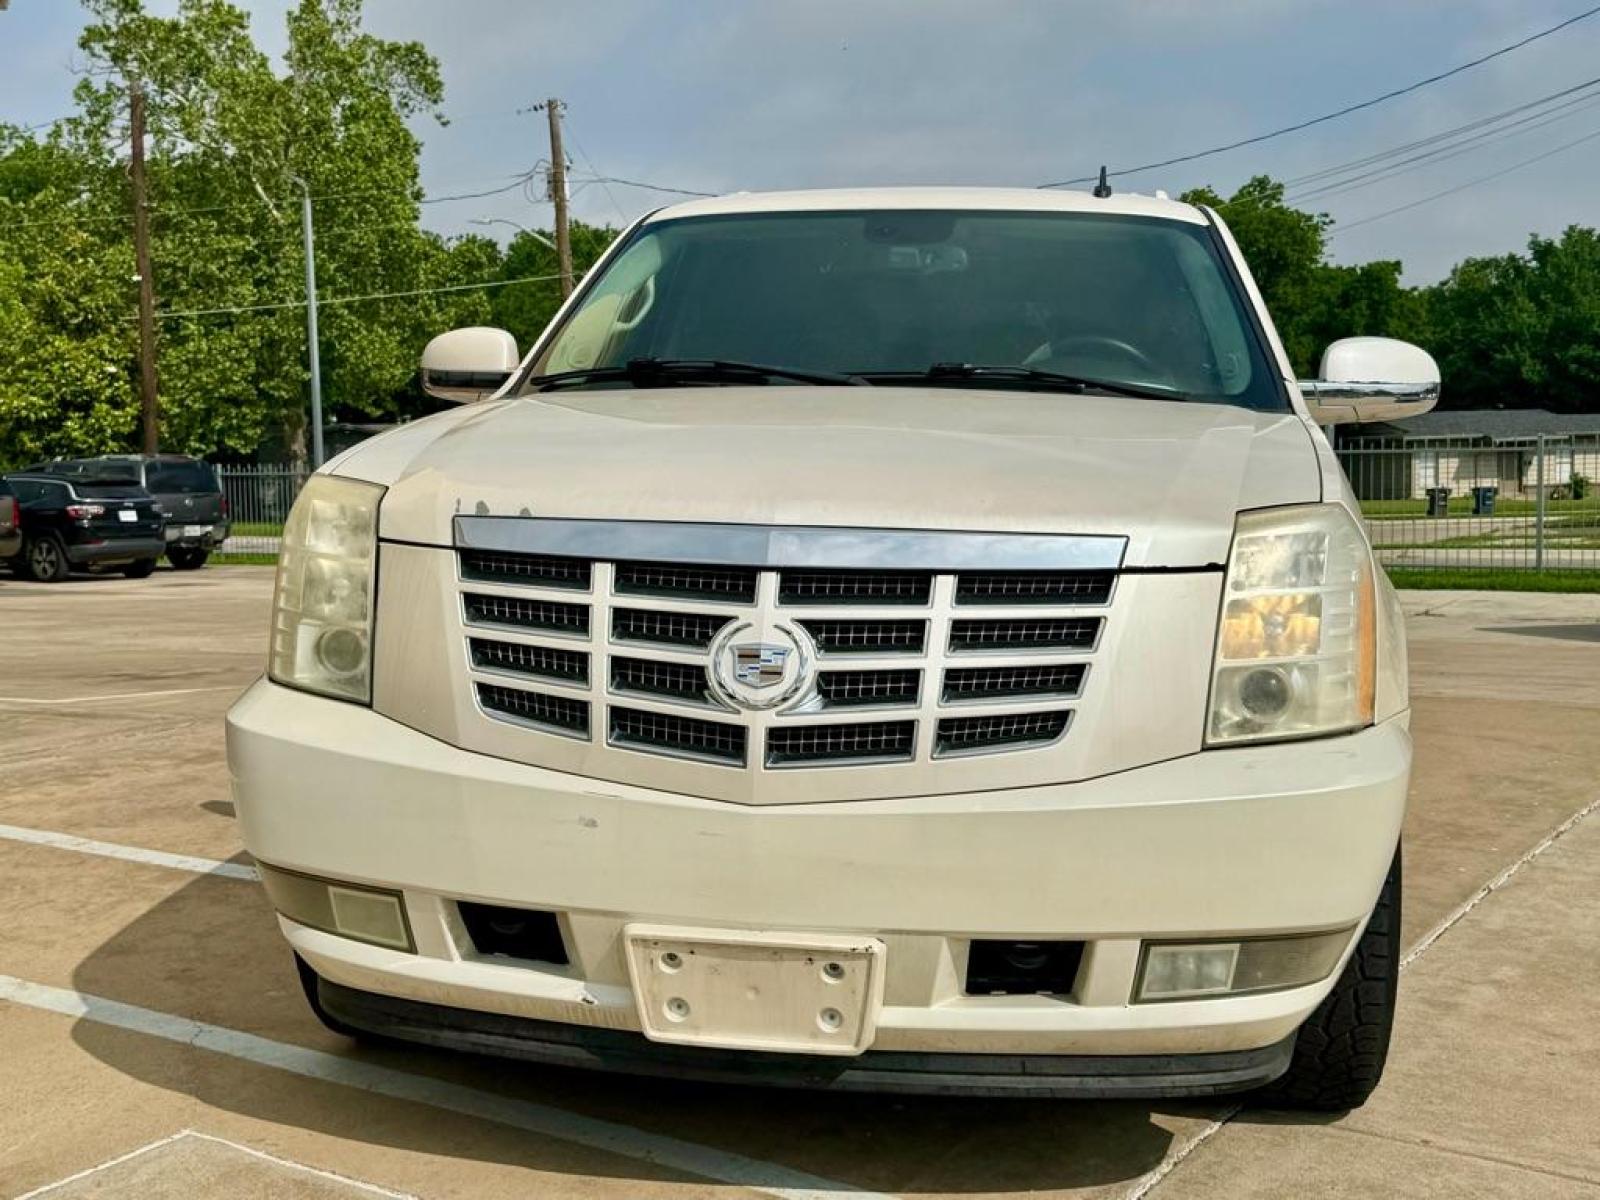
[192,531]
[127,516]
[748,990]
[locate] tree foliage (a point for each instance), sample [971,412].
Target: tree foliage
[233,142]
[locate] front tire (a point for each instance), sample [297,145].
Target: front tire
[1340,1050]
[140,568]
[188,558]
[44,559]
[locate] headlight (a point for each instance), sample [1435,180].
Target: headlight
[322,606]
[1296,646]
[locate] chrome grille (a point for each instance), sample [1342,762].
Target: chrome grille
[687,736]
[855,587]
[665,628]
[883,741]
[896,667]
[852,689]
[1034,587]
[649,677]
[539,662]
[1058,633]
[560,713]
[542,570]
[735,584]
[519,613]
[970,735]
[868,637]
[992,683]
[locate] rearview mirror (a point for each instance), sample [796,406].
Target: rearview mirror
[1372,379]
[468,364]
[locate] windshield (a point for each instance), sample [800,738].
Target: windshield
[1137,301]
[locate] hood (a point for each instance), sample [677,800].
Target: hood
[1169,476]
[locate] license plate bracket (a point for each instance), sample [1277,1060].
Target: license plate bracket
[756,990]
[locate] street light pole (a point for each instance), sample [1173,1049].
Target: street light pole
[534,234]
[311,323]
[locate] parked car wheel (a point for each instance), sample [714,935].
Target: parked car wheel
[187,558]
[1340,1052]
[45,560]
[140,568]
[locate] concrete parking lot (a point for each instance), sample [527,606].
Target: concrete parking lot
[153,1040]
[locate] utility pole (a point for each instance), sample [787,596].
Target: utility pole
[150,439]
[558,195]
[311,323]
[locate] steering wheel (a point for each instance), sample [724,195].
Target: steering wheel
[1088,345]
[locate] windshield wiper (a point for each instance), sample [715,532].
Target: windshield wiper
[675,372]
[1030,377]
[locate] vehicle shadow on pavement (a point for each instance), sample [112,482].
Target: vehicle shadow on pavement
[211,952]
[1569,633]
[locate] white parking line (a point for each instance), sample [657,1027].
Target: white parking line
[154,858]
[187,1134]
[691,1158]
[222,687]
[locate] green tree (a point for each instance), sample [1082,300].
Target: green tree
[1312,301]
[230,140]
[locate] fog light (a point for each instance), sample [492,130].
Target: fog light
[365,914]
[1186,970]
[1197,970]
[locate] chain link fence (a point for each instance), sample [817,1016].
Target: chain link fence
[1473,503]
[1437,503]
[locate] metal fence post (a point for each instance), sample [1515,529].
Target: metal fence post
[1538,520]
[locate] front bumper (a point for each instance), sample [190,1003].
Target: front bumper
[1079,1076]
[1250,841]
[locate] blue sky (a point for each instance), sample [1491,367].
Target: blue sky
[719,95]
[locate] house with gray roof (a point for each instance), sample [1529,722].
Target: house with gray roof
[1513,450]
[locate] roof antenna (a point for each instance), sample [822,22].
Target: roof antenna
[1102,190]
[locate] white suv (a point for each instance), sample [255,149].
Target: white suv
[914,639]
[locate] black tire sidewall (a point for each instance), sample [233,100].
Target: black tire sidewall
[62,567]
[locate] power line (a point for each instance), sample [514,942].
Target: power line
[653,187]
[605,184]
[250,205]
[323,302]
[1443,135]
[1337,113]
[1461,187]
[1493,137]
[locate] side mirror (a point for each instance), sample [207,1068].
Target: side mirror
[1372,379]
[468,364]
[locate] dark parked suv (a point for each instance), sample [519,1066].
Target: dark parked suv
[186,489]
[70,523]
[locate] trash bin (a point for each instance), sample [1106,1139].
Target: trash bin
[1438,502]
[1483,501]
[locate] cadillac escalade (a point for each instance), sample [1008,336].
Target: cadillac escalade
[916,639]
